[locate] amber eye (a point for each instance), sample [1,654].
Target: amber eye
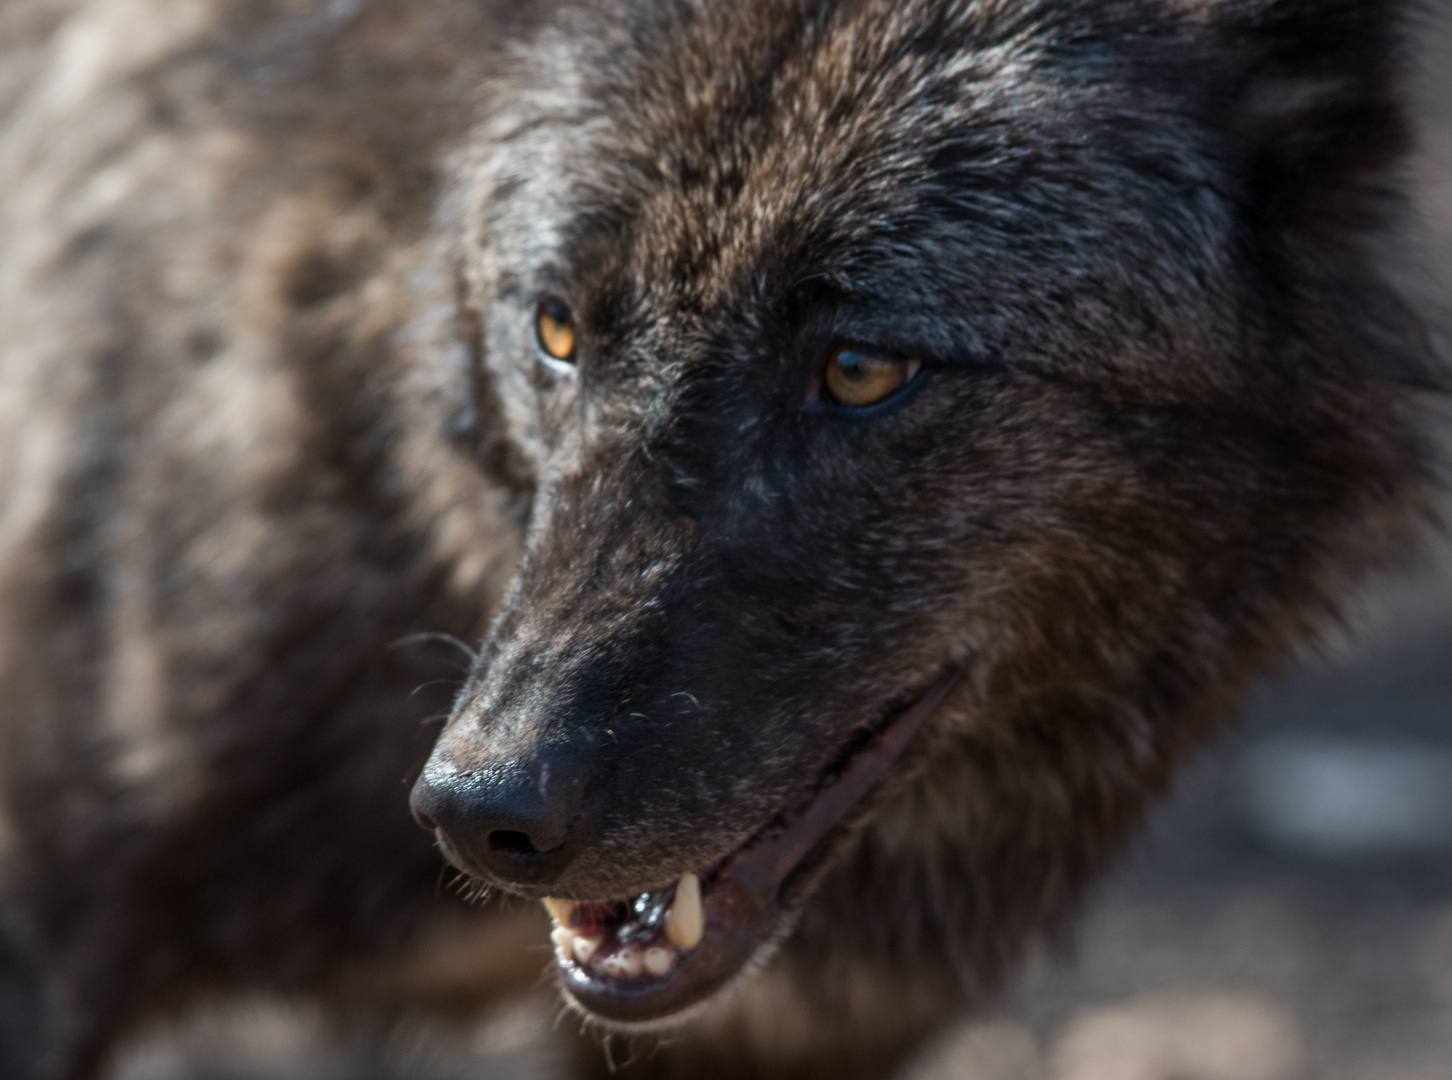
[555,328]
[854,377]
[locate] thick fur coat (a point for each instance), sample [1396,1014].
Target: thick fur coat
[275,403]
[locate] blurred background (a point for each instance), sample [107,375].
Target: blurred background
[1288,917]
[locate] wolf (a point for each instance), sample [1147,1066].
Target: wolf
[862,449]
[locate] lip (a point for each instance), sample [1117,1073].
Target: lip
[743,895]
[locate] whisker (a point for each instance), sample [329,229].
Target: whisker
[560,1014]
[435,635]
[432,682]
[607,1046]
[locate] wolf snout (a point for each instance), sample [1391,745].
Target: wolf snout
[513,822]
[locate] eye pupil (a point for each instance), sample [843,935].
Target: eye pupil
[851,365]
[858,378]
[555,328]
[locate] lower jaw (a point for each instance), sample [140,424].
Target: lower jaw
[637,972]
[653,958]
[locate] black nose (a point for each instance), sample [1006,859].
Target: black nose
[508,821]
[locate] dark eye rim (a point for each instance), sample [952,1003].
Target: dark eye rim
[819,399]
[559,310]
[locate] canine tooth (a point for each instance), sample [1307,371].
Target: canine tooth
[560,910]
[564,939]
[584,948]
[686,920]
[658,960]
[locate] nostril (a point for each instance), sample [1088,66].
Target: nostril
[507,821]
[511,843]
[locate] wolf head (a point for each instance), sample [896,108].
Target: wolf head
[931,414]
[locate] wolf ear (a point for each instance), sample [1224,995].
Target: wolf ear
[1318,109]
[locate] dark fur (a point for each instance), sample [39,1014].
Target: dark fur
[265,421]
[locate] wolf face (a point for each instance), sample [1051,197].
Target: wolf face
[932,415]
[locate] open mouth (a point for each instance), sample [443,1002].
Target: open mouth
[652,956]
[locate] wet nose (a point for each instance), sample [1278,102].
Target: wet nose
[508,821]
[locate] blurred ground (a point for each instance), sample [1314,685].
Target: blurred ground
[1289,917]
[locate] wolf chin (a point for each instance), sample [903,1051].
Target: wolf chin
[862,450]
